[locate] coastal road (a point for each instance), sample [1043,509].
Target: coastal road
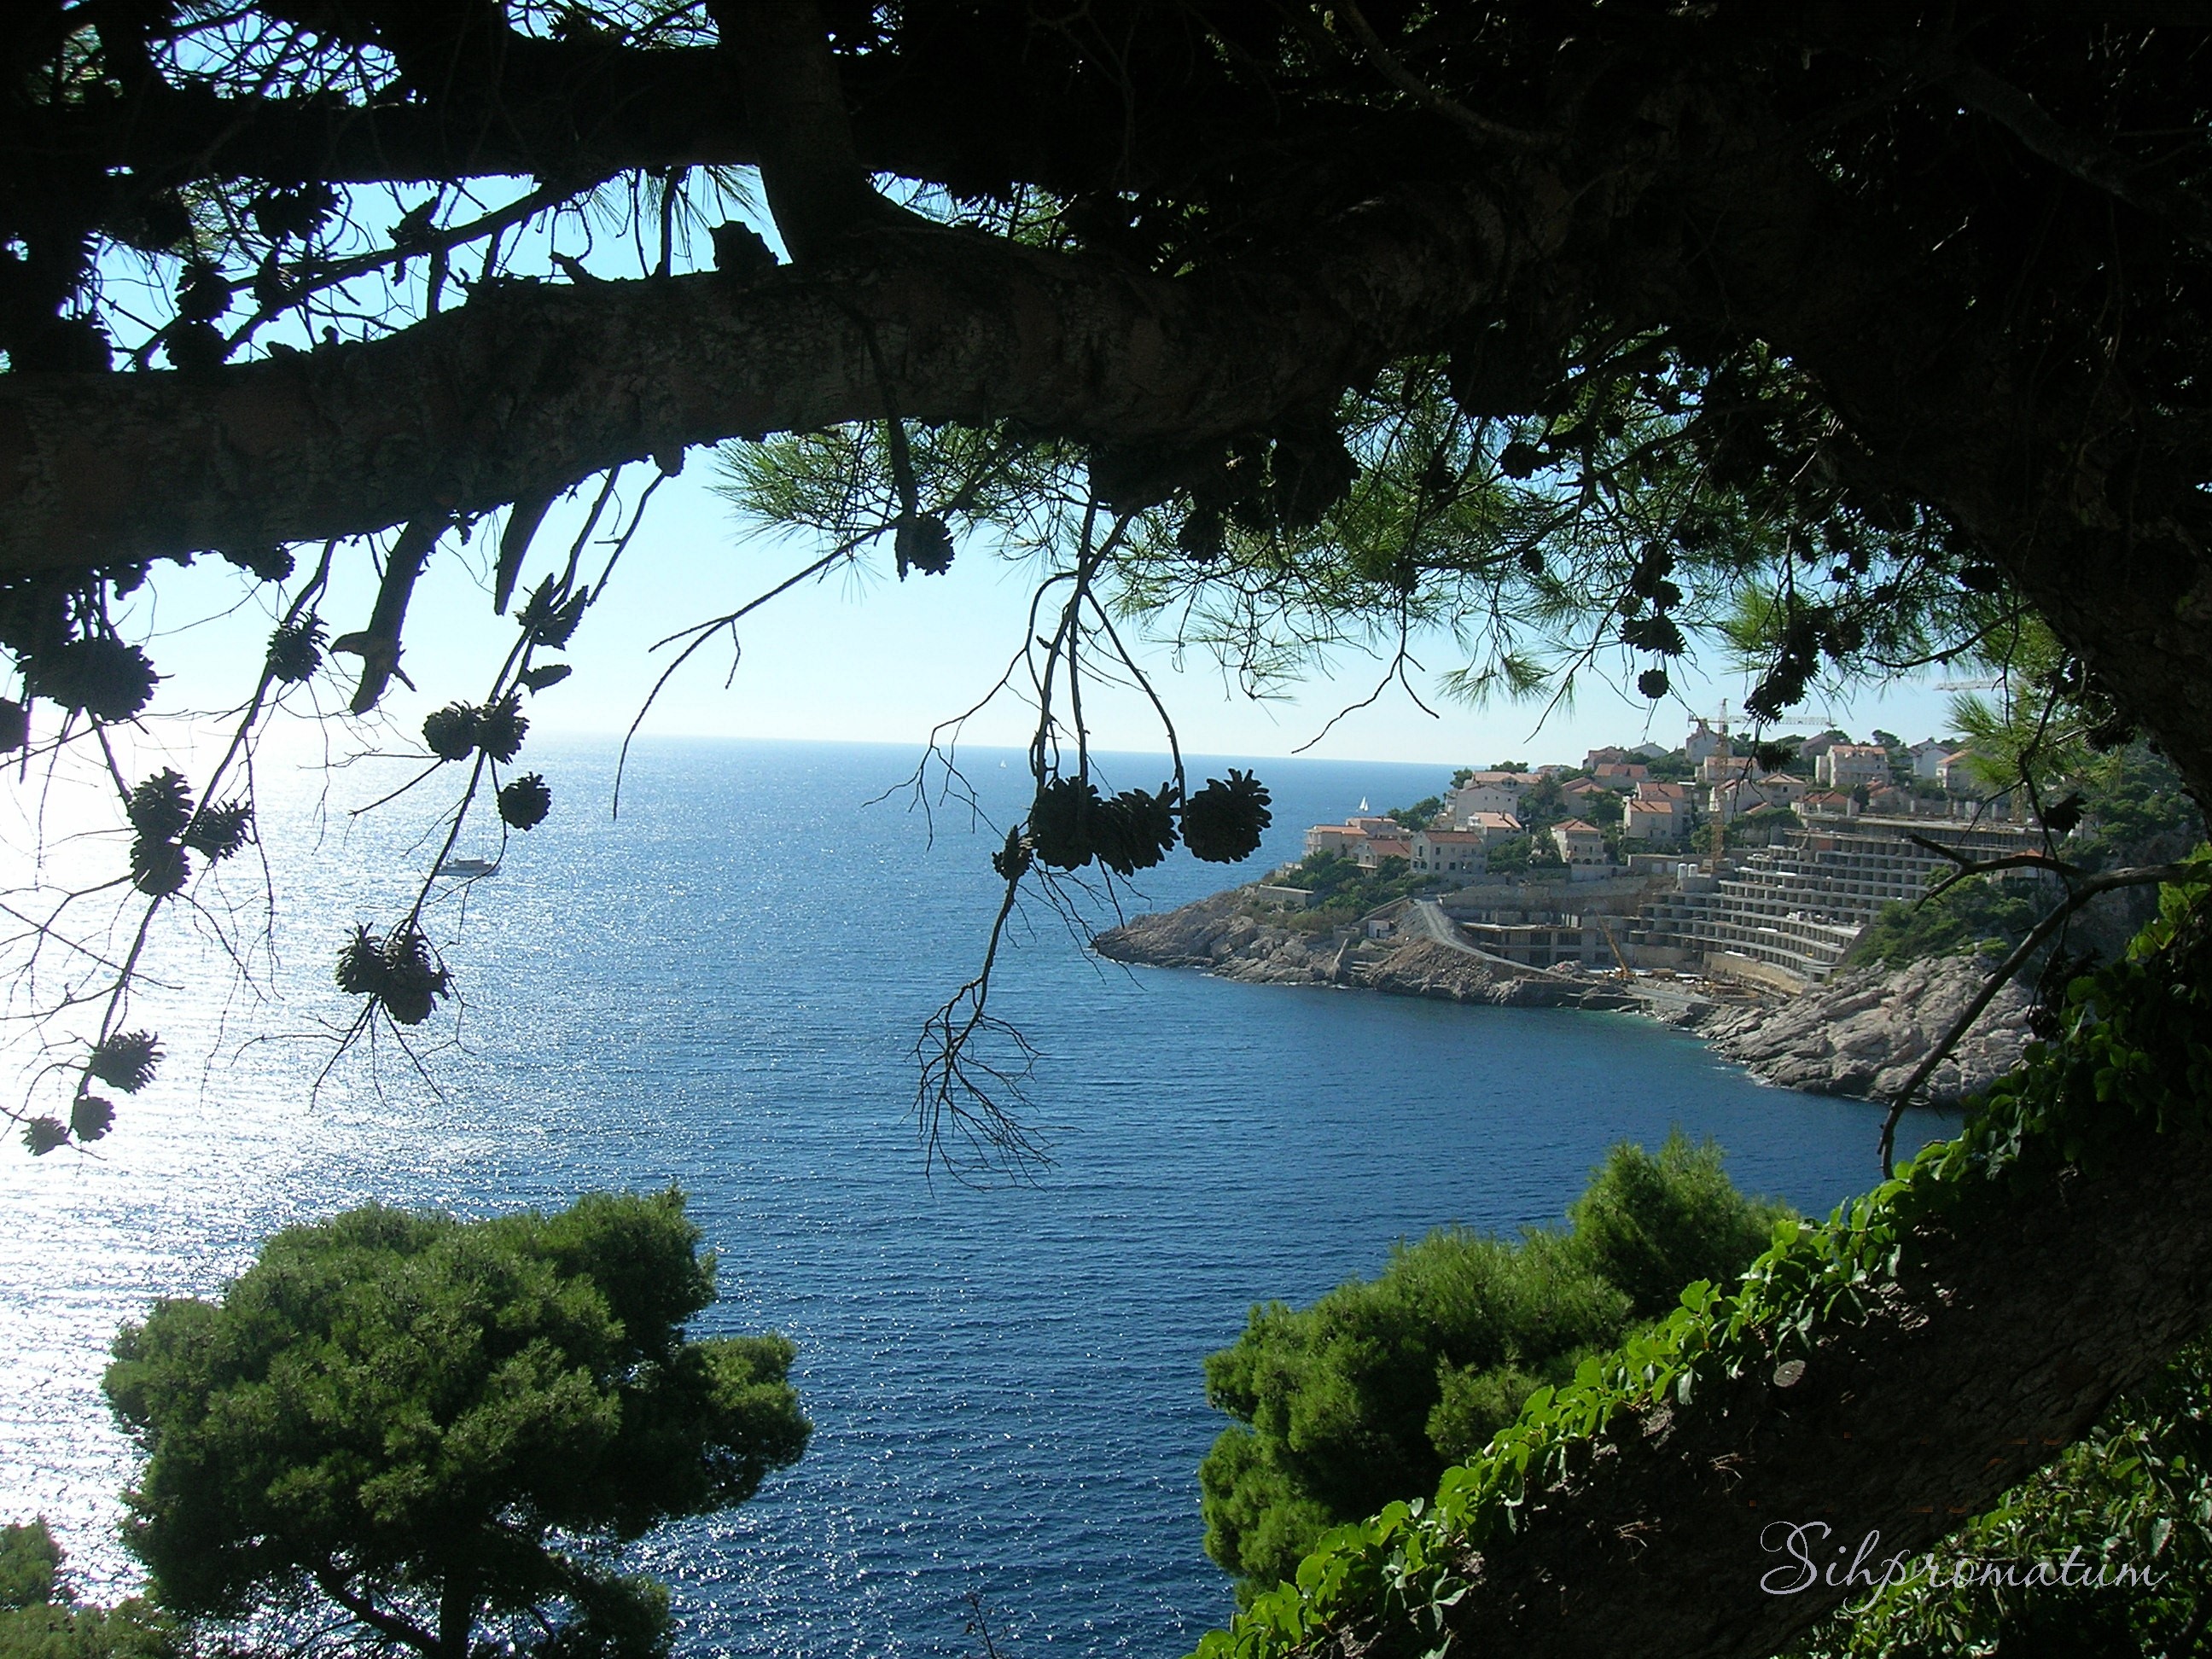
[1439,926]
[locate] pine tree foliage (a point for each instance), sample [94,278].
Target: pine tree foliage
[444,1430]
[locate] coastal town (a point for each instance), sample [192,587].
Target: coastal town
[1760,865]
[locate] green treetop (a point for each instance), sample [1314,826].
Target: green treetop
[41,1618]
[436,1426]
[1365,1396]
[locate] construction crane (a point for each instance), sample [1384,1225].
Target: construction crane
[1620,963]
[1719,835]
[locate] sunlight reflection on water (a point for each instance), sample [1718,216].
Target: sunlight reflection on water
[722,991]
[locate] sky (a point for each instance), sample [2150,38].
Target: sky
[867,658]
[863,657]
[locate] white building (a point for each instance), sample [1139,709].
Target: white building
[1488,792]
[1781,788]
[1929,756]
[1342,838]
[1722,767]
[1449,853]
[1728,799]
[1660,811]
[1846,765]
[1393,844]
[1704,742]
[1579,842]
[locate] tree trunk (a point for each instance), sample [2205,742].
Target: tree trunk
[457,1615]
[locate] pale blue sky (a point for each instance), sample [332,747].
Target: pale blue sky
[870,658]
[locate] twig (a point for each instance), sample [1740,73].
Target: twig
[1970,866]
[1451,109]
[2090,886]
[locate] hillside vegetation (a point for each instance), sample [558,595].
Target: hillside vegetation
[1369,1395]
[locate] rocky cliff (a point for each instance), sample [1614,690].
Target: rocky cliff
[1860,1034]
[1221,935]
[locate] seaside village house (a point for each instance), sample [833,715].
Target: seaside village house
[1580,792]
[1450,852]
[1493,827]
[1657,814]
[1731,798]
[1928,757]
[1339,838]
[1385,838]
[1487,792]
[1954,772]
[1582,846]
[1845,766]
[1365,841]
[1783,915]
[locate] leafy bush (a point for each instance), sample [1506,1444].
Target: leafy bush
[1973,915]
[40,1618]
[1650,1226]
[1369,1395]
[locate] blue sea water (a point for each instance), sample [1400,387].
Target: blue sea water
[722,989]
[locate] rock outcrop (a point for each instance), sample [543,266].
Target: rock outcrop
[1221,935]
[1863,1032]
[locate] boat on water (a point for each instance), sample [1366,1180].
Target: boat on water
[467,867]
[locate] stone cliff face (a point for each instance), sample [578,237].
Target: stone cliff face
[1860,1034]
[1220,935]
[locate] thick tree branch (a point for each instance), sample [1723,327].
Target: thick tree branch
[2092,163]
[816,186]
[531,386]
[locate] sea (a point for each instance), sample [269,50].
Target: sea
[721,987]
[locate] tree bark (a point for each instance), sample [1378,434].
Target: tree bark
[2089,500]
[532,386]
[1990,1352]
[816,186]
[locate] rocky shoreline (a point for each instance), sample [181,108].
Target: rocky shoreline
[1859,1034]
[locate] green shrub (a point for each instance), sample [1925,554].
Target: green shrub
[1650,1226]
[39,1617]
[1973,915]
[444,1430]
[1369,1395]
